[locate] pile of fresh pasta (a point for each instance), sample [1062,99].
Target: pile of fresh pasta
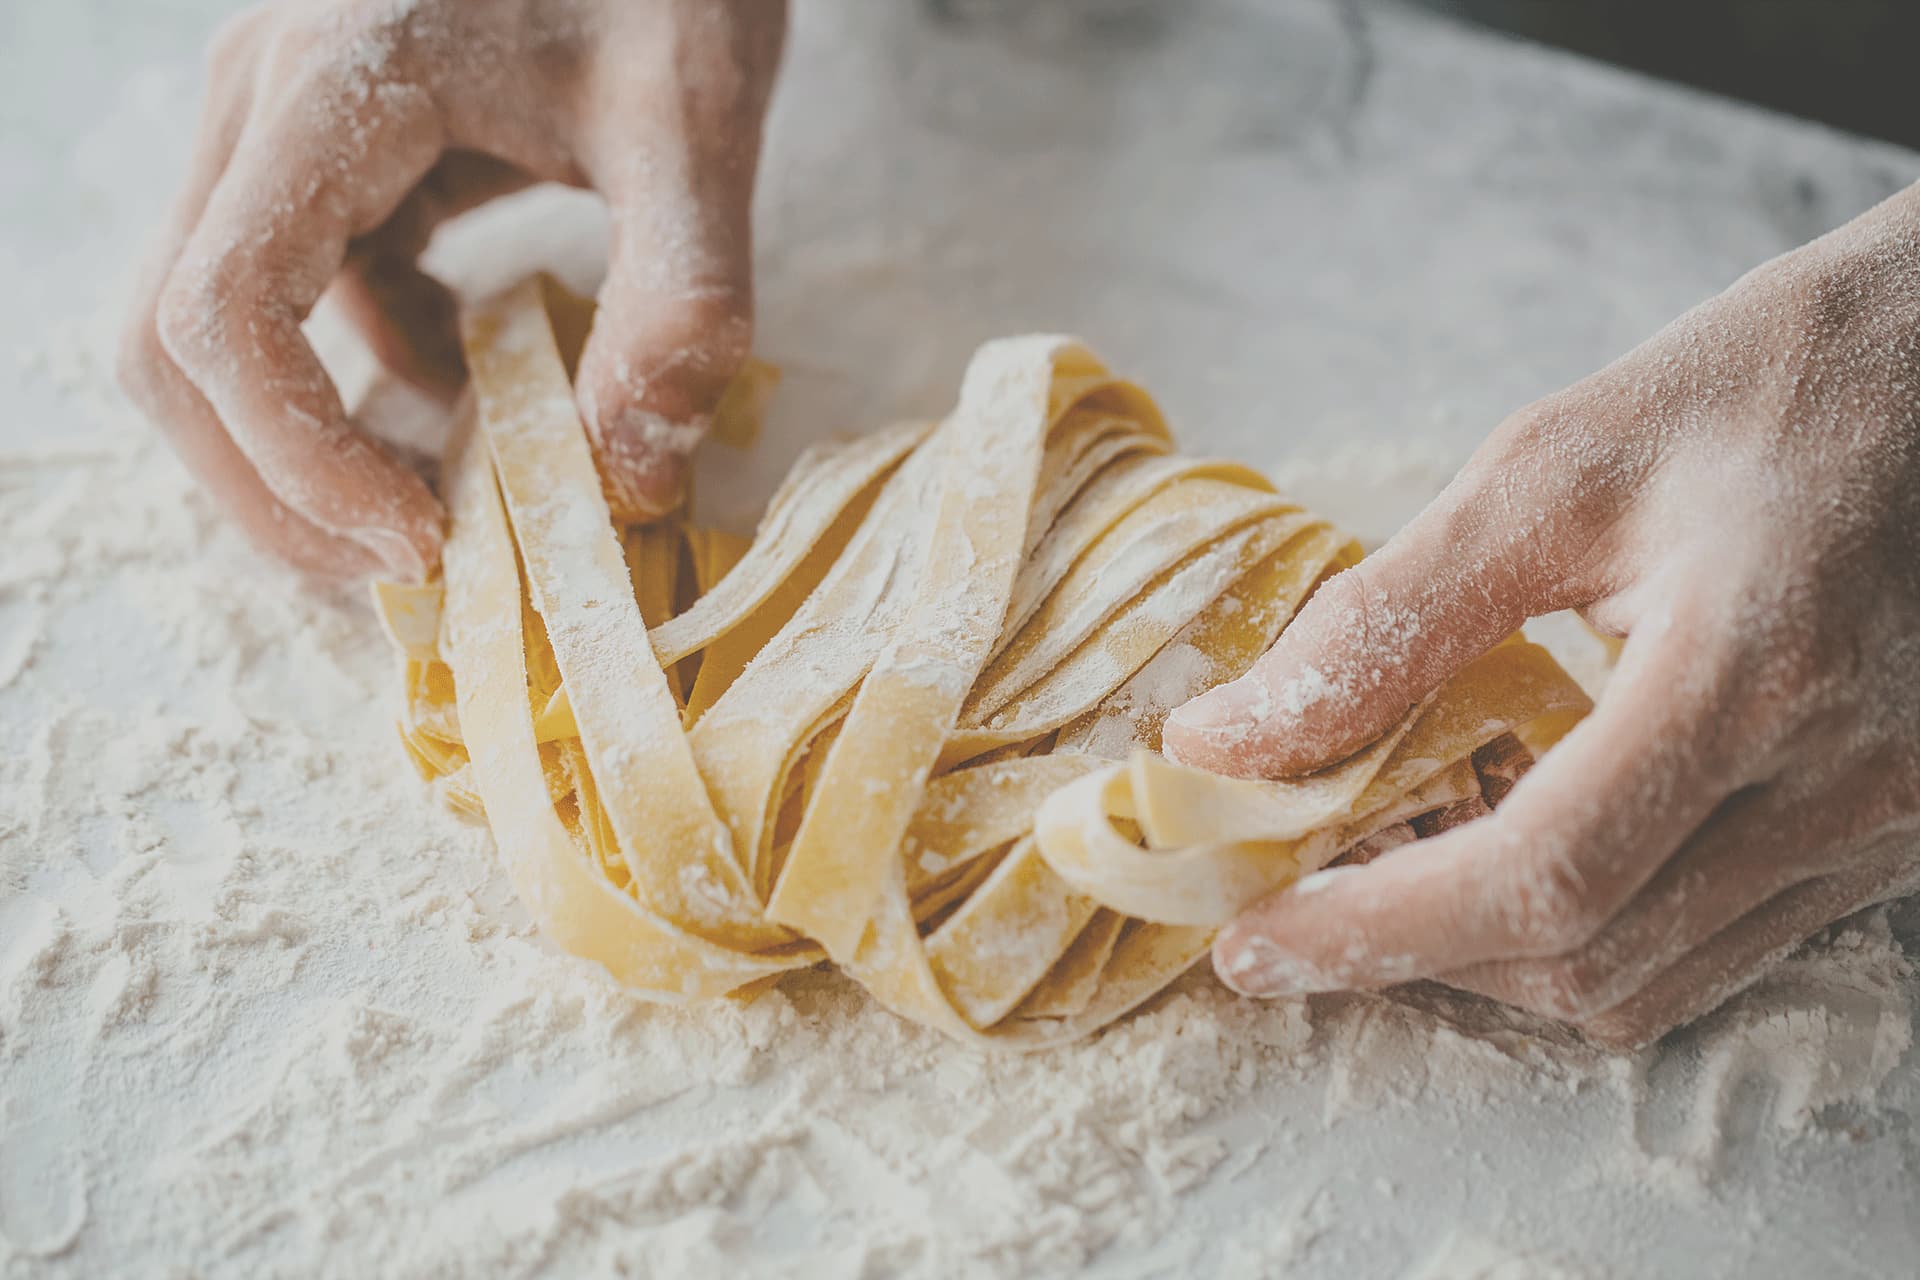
[910,727]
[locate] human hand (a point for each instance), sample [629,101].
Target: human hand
[1740,498]
[337,134]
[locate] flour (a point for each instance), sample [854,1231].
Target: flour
[257,994]
[1466,1257]
[265,1010]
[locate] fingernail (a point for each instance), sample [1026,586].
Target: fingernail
[631,503]
[1319,880]
[644,461]
[1219,710]
[395,551]
[1255,965]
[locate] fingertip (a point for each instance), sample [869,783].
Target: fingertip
[646,488]
[1204,732]
[328,559]
[406,555]
[409,540]
[1251,961]
[1237,962]
[1399,917]
[647,388]
[1270,724]
[643,457]
[280,533]
[1249,954]
[1369,644]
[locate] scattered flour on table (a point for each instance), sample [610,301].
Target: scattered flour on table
[262,1004]
[1467,1257]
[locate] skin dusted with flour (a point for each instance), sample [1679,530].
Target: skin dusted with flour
[336,136]
[1740,498]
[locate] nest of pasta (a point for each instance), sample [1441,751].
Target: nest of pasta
[910,727]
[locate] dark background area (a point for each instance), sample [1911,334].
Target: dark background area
[1854,64]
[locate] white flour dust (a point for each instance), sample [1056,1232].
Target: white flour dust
[261,1005]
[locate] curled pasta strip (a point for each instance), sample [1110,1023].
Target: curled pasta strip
[910,726]
[1187,847]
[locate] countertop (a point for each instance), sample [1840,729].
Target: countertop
[1340,239]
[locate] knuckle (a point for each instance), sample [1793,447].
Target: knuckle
[186,320]
[1576,464]
[1345,599]
[1357,601]
[1535,500]
[1523,433]
[1554,908]
[1552,434]
[1825,294]
[211,302]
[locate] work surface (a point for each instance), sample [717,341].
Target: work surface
[263,1012]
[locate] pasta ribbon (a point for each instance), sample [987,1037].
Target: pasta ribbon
[911,726]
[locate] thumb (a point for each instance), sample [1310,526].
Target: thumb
[1369,644]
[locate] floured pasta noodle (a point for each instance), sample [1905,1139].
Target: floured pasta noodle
[910,726]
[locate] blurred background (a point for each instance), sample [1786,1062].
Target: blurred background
[1848,63]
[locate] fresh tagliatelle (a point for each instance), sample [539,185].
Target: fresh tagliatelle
[910,727]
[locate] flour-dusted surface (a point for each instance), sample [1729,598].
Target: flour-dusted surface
[264,1011]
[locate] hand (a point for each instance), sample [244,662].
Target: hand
[339,133]
[1740,498]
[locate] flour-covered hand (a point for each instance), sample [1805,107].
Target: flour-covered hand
[1740,498]
[338,134]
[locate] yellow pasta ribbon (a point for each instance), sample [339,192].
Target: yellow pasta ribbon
[911,726]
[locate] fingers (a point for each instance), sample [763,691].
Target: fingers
[1578,836]
[1518,533]
[1760,843]
[676,159]
[1733,959]
[1376,638]
[156,384]
[332,156]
